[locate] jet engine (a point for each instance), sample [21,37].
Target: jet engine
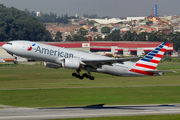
[51,65]
[71,64]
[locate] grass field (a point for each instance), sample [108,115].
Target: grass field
[37,86]
[38,76]
[90,96]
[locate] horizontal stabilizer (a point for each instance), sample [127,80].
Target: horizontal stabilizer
[158,71]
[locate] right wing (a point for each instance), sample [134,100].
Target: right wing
[93,62]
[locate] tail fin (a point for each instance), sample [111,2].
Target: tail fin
[150,60]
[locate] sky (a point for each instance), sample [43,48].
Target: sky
[111,8]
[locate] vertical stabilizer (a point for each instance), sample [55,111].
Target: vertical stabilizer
[150,60]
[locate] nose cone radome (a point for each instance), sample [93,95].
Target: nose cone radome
[7,47]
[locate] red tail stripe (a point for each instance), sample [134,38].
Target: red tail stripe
[145,66]
[163,50]
[154,61]
[167,44]
[141,72]
[158,55]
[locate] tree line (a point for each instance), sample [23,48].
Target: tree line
[116,35]
[50,18]
[157,36]
[17,25]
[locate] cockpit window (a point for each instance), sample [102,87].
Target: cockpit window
[9,43]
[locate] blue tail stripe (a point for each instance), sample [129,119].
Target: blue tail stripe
[144,59]
[158,49]
[151,54]
[164,43]
[149,57]
[161,46]
[154,51]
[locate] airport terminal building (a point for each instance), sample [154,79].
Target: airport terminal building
[103,48]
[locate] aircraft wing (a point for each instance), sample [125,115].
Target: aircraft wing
[158,71]
[110,60]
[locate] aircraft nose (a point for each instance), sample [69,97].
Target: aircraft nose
[7,47]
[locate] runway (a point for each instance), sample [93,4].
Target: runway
[101,110]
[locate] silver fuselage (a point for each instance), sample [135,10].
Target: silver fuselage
[53,54]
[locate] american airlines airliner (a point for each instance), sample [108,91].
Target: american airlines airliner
[57,57]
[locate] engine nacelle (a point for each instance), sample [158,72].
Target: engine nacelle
[51,65]
[71,64]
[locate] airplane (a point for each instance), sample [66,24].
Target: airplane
[57,57]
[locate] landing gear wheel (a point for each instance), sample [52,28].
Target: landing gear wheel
[74,74]
[88,76]
[77,75]
[91,78]
[85,75]
[15,62]
[81,77]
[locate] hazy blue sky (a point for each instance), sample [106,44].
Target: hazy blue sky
[111,8]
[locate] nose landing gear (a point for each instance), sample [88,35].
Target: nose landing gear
[15,60]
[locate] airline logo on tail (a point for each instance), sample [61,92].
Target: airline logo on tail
[151,60]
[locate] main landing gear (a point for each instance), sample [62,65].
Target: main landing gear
[77,75]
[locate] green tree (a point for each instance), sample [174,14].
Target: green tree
[152,37]
[114,36]
[98,38]
[176,42]
[94,29]
[105,30]
[142,36]
[82,32]
[58,36]
[105,17]
[93,16]
[17,25]
[68,38]
[27,11]
[80,36]
[149,23]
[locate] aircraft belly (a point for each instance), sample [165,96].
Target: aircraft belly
[118,71]
[115,70]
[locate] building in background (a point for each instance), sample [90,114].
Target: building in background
[155,10]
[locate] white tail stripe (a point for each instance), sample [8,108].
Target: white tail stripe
[142,68]
[156,58]
[148,63]
[161,53]
[165,47]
